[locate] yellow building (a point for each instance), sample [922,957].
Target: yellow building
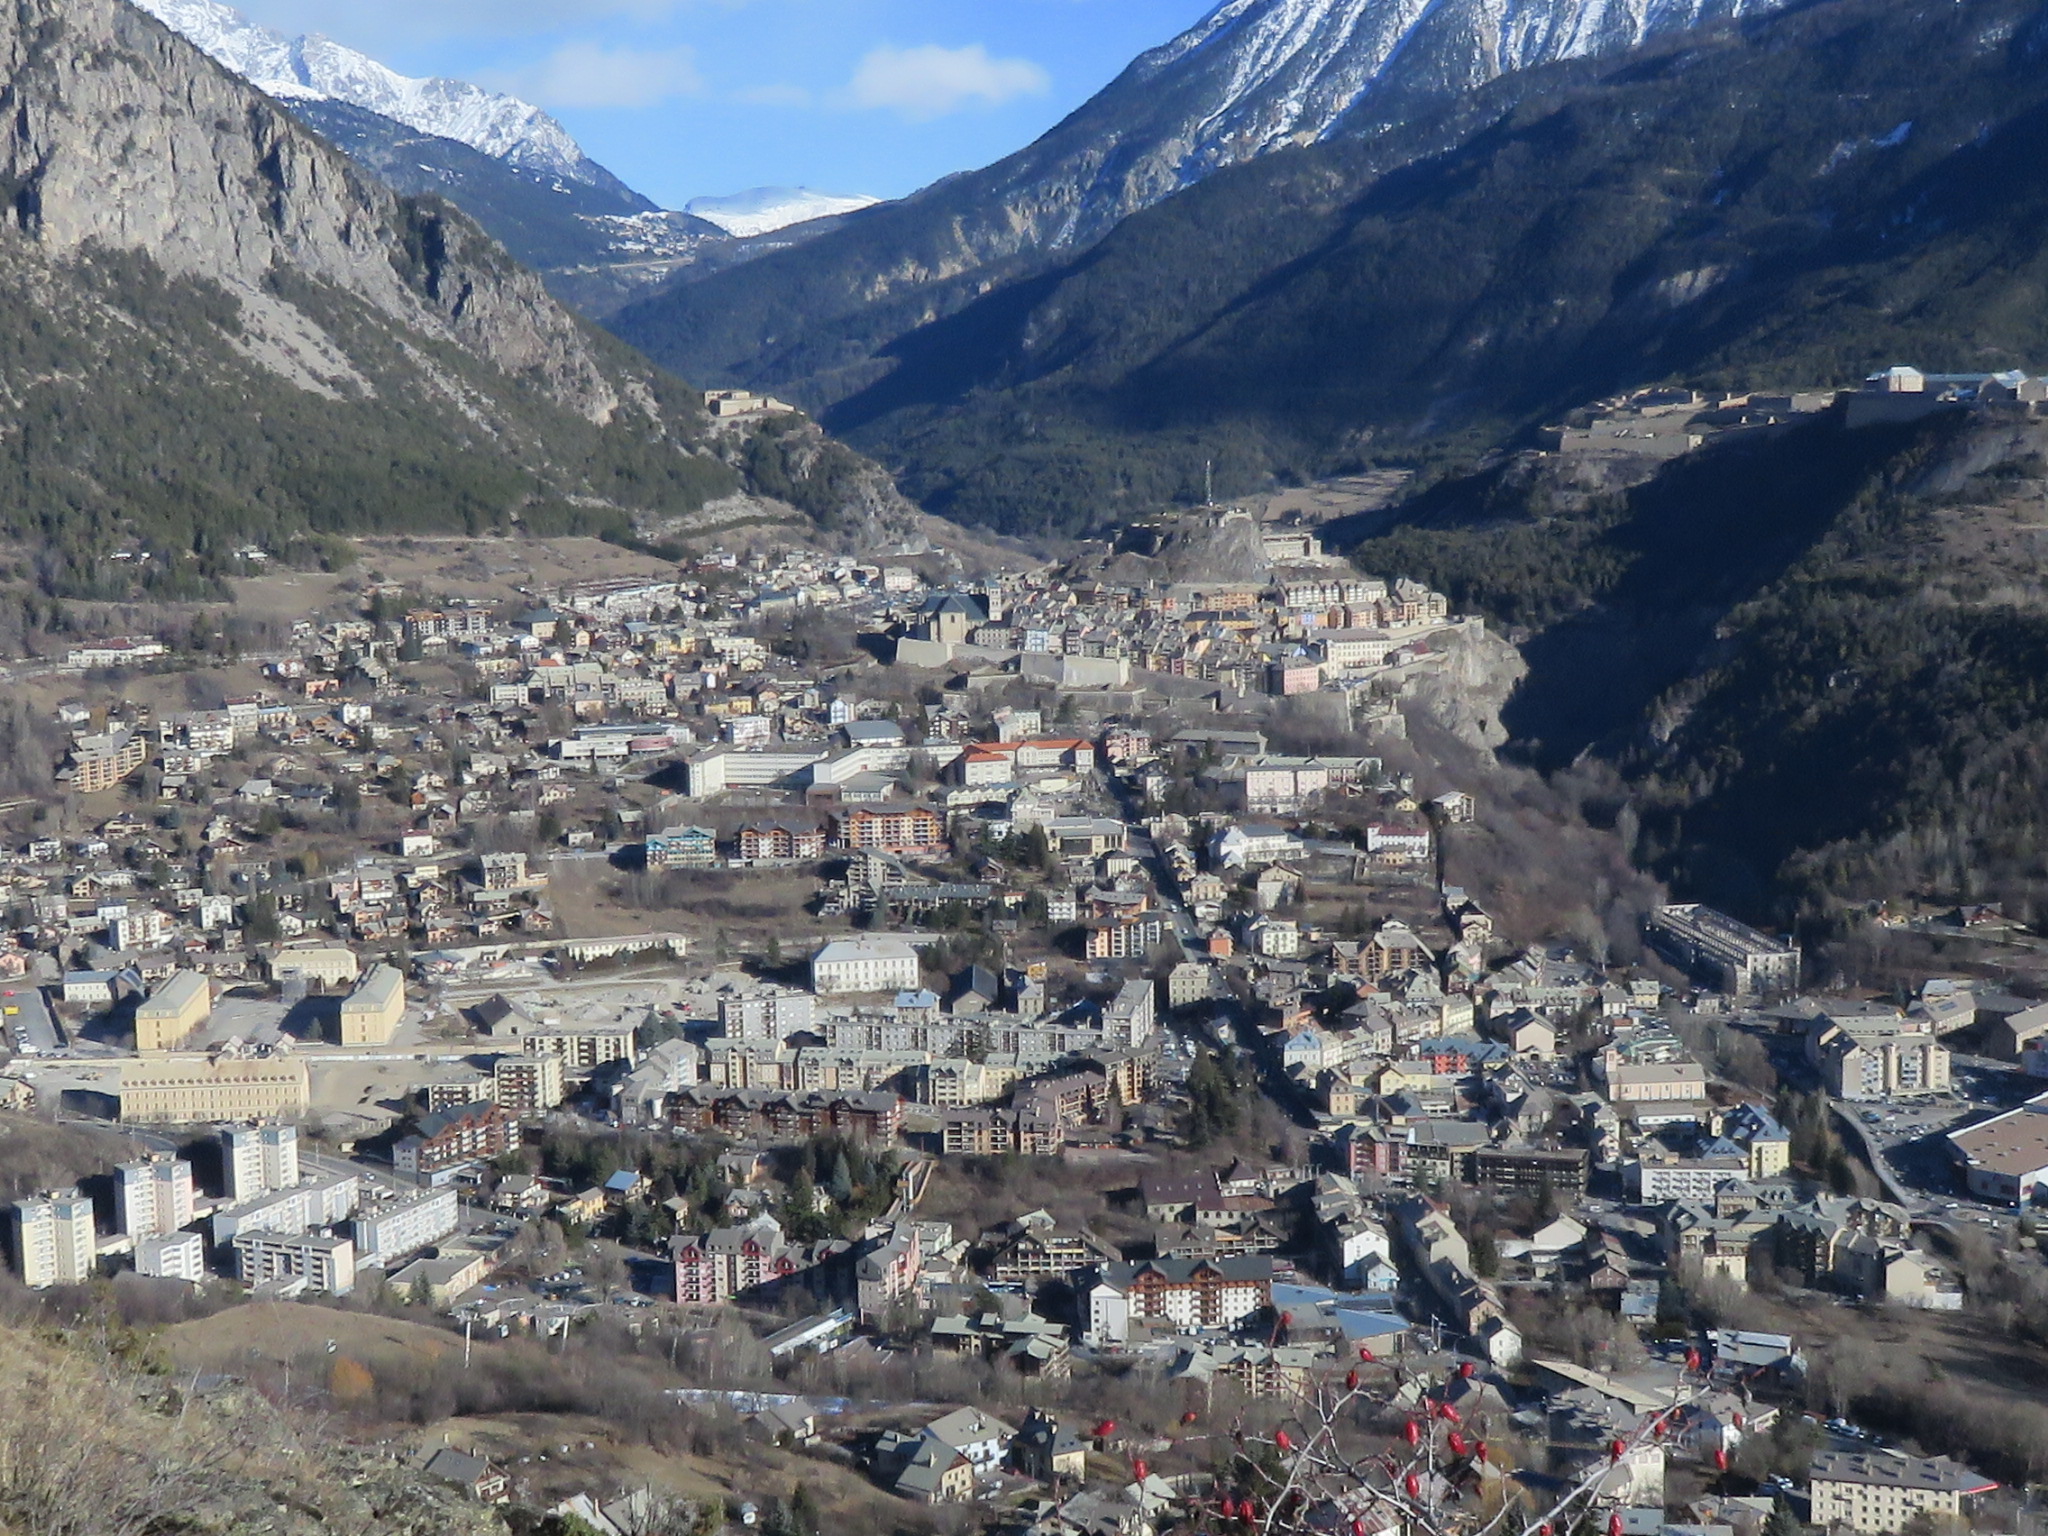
[190,1090]
[172,1012]
[370,1014]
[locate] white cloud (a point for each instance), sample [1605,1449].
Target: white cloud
[928,82]
[591,75]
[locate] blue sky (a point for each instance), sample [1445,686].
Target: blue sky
[683,98]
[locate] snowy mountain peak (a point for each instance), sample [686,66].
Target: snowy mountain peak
[766,209]
[317,68]
[1256,75]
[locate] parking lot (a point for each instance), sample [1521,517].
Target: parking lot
[31,1028]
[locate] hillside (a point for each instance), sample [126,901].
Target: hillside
[1789,202]
[1817,667]
[223,334]
[90,1443]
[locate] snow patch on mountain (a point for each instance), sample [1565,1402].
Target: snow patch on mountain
[317,68]
[764,210]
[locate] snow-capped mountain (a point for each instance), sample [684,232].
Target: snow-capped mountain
[316,68]
[763,210]
[1258,75]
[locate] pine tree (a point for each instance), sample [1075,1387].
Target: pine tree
[840,1184]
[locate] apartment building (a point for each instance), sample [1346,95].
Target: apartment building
[313,1260]
[1869,1055]
[54,1239]
[764,1012]
[714,1267]
[1191,1293]
[172,1012]
[370,1015]
[153,1197]
[302,1207]
[446,1141]
[1880,1491]
[259,1158]
[100,762]
[173,1256]
[390,1229]
[906,829]
[528,1085]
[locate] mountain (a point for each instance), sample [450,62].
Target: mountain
[1788,202]
[222,333]
[1803,674]
[764,210]
[318,69]
[1254,78]
[597,245]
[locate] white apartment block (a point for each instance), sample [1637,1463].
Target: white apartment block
[315,1203]
[154,1196]
[389,1229]
[54,1239]
[259,1158]
[319,1263]
[174,1256]
[767,1013]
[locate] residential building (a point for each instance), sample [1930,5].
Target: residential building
[682,848]
[527,1086]
[1869,1055]
[172,1256]
[449,1140]
[1882,1491]
[167,1018]
[1189,1293]
[714,1267]
[259,1158]
[308,1260]
[154,1196]
[906,829]
[388,1229]
[100,762]
[55,1241]
[370,1015]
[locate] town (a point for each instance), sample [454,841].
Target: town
[1064,976]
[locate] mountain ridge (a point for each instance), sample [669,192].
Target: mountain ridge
[1254,78]
[316,68]
[1743,207]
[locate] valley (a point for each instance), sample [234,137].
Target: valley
[1320,810]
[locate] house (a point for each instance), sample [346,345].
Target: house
[472,1474]
[1047,1451]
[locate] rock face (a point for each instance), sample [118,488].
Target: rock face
[124,138]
